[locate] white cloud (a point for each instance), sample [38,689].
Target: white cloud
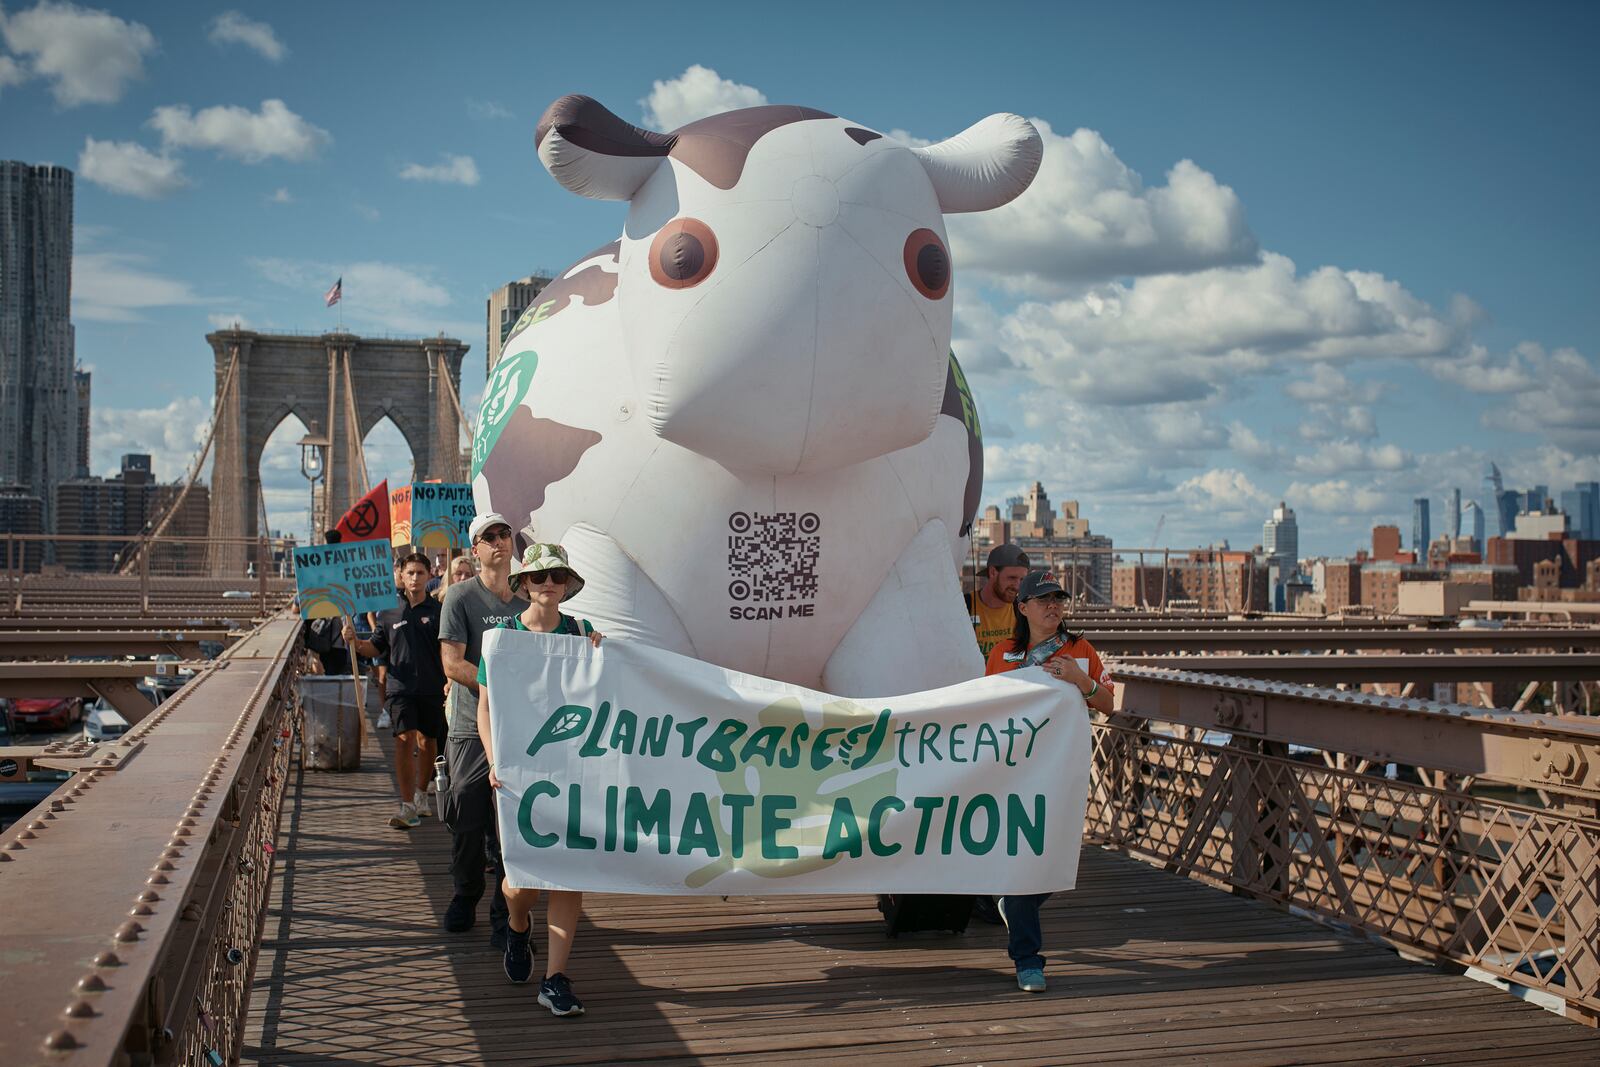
[489,109]
[1089,217]
[1561,397]
[695,94]
[1335,496]
[1224,491]
[1476,370]
[1175,337]
[274,131]
[380,296]
[118,287]
[89,57]
[171,435]
[11,72]
[1337,457]
[453,170]
[281,196]
[131,169]
[232,27]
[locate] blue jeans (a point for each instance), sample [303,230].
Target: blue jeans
[1022,927]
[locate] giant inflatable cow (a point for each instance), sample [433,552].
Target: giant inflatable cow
[742,418]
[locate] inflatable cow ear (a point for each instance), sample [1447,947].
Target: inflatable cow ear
[593,153]
[984,166]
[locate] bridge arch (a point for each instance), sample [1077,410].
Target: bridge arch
[340,386]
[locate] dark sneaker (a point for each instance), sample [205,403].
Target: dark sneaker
[556,994]
[985,910]
[460,915]
[1030,980]
[518,956]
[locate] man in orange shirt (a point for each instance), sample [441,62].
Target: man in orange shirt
[993,617]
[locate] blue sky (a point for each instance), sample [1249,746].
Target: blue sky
[1340,256]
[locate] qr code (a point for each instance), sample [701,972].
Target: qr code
[773,557]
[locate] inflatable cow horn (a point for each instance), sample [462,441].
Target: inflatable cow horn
[594,153]
[984,166]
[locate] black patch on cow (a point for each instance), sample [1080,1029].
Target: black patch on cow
[592,284]
[959,405]
[529,457]
[860,136]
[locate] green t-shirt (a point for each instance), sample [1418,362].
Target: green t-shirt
[566,625]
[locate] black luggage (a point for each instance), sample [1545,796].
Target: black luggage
[906,913]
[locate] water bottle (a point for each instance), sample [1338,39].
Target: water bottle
[441,776]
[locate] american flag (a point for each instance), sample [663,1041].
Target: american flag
[335,293]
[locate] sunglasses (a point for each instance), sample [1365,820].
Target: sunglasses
[555,576]
[496,534]
[1052,598]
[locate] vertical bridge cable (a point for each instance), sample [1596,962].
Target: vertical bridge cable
[142,545]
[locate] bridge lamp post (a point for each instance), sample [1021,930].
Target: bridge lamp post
[313,465]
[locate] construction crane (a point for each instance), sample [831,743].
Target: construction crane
[1155,538]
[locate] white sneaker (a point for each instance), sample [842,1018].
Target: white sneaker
[423,804]
[405,818]
[383,719]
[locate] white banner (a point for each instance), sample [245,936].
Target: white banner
[628,769]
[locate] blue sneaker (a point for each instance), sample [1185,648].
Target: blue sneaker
[518,956]
[556,994]
[1030,980]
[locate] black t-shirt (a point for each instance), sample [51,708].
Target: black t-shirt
[407,638]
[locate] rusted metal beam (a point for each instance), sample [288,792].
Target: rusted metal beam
[1534,751]
[117,681]
[116,890]
[1126,642]
[1439,667]
[183,643]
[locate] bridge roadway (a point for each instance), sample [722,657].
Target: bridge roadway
[1146,966]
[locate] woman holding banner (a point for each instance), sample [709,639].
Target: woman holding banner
[544,576]
[1042,640]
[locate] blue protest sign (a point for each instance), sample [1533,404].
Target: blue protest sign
[441,513]
[344,579]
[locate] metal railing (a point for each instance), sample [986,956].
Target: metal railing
[1304,798]
[141,886]
[168,576]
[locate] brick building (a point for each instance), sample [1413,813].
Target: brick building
[122,507]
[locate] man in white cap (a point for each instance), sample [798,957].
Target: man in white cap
[472,608]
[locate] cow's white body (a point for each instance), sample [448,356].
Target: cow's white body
[768,470]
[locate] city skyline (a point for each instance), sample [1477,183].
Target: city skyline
[1211,301]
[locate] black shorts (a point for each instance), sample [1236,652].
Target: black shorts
[421,713]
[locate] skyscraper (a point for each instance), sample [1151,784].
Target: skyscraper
[1454,517]
[505,306]
[38,393]
[1421,532]
[1280,538]
[1472,524]
[1582,505]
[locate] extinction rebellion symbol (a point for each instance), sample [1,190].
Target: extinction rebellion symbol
[363,520]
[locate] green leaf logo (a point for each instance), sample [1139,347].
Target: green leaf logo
[504,390]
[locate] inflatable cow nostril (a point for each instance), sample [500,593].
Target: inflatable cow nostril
[743,417]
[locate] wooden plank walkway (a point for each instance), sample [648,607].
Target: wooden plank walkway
[1145,967]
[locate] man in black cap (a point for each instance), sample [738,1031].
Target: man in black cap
[992,606]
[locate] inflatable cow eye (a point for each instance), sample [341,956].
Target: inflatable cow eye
[927,264]
[683,254]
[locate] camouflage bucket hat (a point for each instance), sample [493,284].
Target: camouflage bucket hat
[541,556]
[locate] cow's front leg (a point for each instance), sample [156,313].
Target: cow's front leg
[915,633]
[618,596]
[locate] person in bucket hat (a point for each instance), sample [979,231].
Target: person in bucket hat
[541,557]
[546,577]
